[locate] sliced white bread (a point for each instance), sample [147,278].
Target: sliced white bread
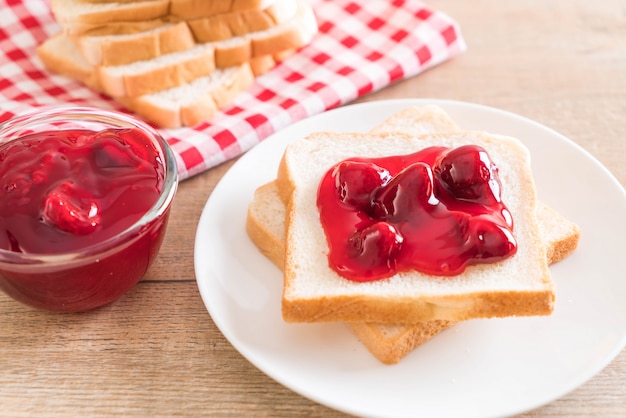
[238,23]
[287,36]
[137,53]
[518,286]
[418,120]
[160,73]
[264,63]
[59,54]
[77,17]
[185,105]
[119,44]
[177,68]
[561,234]
[192,9]
[193,102]
[164,72]
[291,34]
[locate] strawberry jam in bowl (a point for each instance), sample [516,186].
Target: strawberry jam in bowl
[85,200]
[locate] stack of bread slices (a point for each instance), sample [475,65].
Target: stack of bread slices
[392,317]
[174,62]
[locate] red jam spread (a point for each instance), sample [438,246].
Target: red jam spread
[436,211]
[66,190]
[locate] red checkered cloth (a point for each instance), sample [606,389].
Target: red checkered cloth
[361,47]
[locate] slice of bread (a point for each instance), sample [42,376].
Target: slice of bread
[119,44]
[175,69]
[192,9]
[161,73]
[141,54]
[77,17]
[265,225]
[59,55]
[287,36]
[239,23]
[518,286]
[184,105]
[193,102]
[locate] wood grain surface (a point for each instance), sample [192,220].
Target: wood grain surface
[156,351]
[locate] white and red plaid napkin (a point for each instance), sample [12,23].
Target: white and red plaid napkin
[361,47]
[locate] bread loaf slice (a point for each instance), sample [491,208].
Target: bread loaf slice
[518,286]
[193,102]
[119,44]
[192,9]
[238,23]
[287,36]
[184,105]
[59,54]
[198,100]
[161,73]
[177,68]
[77,17]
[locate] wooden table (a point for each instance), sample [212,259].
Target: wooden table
[157,352]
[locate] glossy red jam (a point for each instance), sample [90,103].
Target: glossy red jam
[62,191]
[77,210]
[436,211]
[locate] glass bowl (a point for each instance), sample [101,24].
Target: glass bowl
[86,200]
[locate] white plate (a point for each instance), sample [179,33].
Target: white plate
[478,368]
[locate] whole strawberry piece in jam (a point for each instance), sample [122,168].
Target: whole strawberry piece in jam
[491,240]
[468,173]
[408,193]
[71,210]
[356,181]
[374,249]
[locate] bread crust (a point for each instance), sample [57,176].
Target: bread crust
[138,52]
[390,344]
[232,24]
[291,34]
[172,114]
[77,17]
[110,48]
[59,55]
[192,9]
[157,78]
